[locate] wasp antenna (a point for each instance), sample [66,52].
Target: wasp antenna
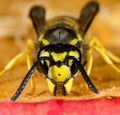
[24,82]
[85,76]
[87,15]
[37,15]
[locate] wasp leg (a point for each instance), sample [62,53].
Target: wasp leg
[30,46]
[89,63]
[108,57]
[17,59]
[88,66]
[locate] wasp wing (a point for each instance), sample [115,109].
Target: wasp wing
[37,15]
[87,15]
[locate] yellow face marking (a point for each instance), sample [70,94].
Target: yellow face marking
[74,41]
[73,53]
[68,85]
[51,86]
[44,54]
[59,74]
[58,56]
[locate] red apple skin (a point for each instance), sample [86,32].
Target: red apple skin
[101,106]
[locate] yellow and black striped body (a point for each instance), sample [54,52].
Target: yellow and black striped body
[61,53]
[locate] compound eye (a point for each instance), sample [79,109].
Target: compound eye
[44,67]
[74,68]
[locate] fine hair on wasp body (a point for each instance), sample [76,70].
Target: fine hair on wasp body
[61,50]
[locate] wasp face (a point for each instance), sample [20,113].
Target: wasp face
[60,66]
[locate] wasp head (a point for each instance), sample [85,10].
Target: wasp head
[59,67]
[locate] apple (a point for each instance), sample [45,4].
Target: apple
[101,106]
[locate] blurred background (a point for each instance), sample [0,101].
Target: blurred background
[14,20]
[15,25]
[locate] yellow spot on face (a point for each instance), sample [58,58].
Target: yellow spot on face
[59,74]
[51,86]
[74,41]
[73,53]
[44,54]
[68,85]
[58,56]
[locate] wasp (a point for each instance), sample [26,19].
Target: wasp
[61,52]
